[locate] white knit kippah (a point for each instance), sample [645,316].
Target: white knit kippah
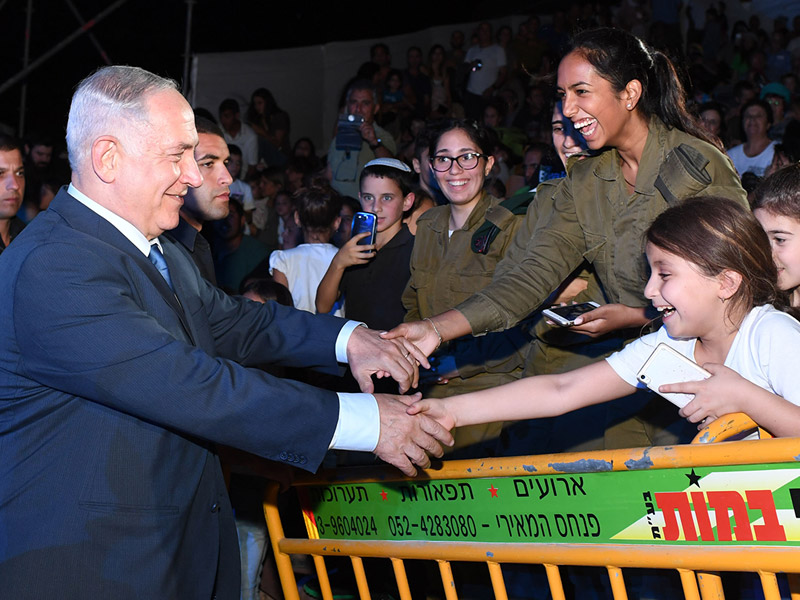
[389,162]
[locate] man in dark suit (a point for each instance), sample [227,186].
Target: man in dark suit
[120,366]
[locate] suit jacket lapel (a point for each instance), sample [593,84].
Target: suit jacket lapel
[83,219]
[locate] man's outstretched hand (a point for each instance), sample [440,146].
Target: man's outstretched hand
[407,440]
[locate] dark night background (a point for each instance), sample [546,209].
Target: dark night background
[151,34]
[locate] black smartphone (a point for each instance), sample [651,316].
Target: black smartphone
[566,315]
[365,221]
[348,133]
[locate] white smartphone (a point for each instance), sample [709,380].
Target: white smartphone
[667,365]
[566,315]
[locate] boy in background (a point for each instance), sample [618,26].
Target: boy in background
[239,189]
[372,277]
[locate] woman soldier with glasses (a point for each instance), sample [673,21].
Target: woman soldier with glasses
[447,268]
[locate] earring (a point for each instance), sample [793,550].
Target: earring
[630,106]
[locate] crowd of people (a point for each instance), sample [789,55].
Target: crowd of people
[595,157]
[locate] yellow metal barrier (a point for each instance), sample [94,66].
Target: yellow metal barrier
[700,509]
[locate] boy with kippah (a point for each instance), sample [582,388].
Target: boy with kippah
[372,277]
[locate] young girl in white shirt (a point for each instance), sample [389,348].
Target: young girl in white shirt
[714,281]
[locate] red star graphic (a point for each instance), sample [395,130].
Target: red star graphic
[493,490]
[384,495]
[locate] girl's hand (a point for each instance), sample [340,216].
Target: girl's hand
[435,409]
[607,318]
[352,254]
[723,393]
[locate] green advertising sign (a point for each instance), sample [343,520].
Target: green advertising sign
[753,504]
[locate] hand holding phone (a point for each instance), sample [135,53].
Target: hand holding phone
[565,315]
[667,365]
[348,133]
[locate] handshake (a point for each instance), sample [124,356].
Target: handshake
[407,436]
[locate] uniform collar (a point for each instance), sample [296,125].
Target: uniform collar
[442,220]
[607,165]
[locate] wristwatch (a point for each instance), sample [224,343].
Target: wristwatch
[376,145]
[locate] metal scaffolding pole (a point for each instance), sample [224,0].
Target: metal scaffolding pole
[66,41]
[23,95]
[187,49]
[92,37]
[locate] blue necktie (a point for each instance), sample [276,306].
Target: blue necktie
[158,260]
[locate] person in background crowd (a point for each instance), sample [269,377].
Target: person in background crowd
[38,161]
[755,154]
[12,189]
[436,70]
[239,133]
[371,141]
[350,206]
[235,254]
[239,189]
[487,63]
[712,118]
[271,125]
[779,99]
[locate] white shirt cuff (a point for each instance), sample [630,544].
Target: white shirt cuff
[359,425]
[344,337]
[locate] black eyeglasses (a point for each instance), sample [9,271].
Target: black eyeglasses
[467,161]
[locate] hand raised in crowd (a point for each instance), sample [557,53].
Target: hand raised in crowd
[407,440]
[370,354]
[368,133]
[353,254]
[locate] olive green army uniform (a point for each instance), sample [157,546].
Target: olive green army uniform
[444,272]
[596,219]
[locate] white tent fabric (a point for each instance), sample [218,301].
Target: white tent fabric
[306,82]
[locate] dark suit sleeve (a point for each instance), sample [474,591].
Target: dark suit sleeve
[109,337]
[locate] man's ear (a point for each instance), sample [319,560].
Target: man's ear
[408,201]
[729,283]
[336,223]
[415,164]
[106,158]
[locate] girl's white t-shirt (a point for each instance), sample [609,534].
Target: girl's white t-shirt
[304,267]
[764,352]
